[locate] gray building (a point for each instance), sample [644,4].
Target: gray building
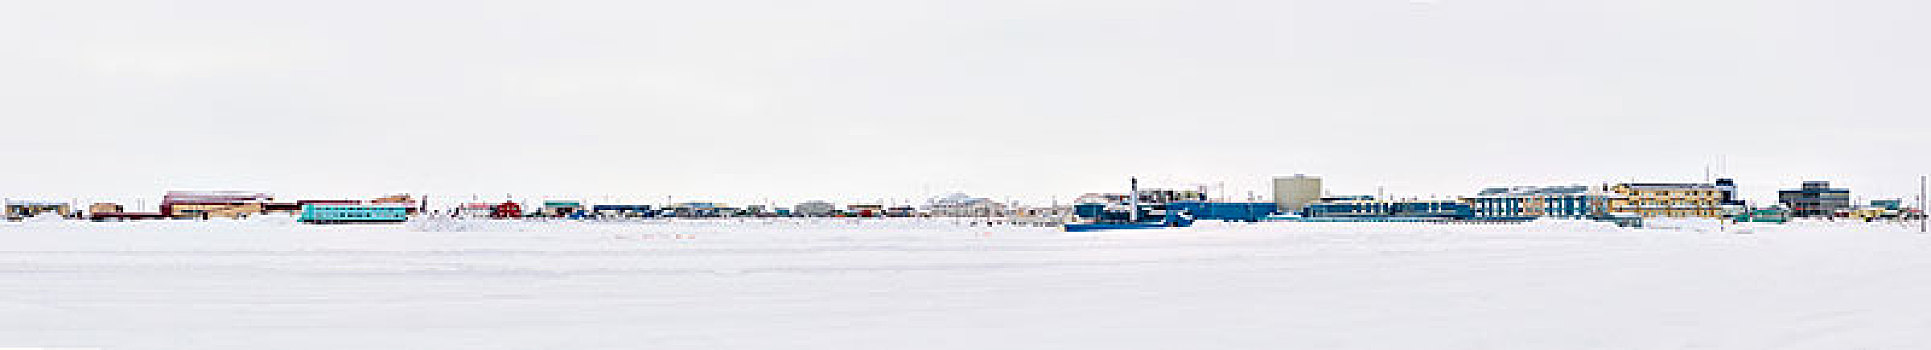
[962,205]
[1572,202]
[1291,193]
[1815,198]
[814,208]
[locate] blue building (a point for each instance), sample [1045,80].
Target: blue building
[1526,202]
[1249,212]
[1372,209]
[1888,204]
[1097,216]
[340,214]
[1815,199]
[622,210]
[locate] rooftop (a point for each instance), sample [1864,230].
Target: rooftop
[34,202]
[1671,185]
[1527,191]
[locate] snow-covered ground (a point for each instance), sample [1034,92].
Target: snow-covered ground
[934,284]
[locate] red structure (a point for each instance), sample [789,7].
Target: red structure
[507,210]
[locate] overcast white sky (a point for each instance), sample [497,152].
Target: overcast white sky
[783,101]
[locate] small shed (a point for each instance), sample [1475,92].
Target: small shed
[621,210]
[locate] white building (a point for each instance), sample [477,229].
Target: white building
[959,204]
[815,208]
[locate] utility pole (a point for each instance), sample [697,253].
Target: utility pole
[1922,215]
[1133,200]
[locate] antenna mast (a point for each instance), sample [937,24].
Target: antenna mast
[1133,200]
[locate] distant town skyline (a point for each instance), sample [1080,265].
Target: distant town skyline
[860,100]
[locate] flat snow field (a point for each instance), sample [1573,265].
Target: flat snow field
[936,284]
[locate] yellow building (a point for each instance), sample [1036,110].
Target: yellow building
[1875,213]
[26,209]
[222,210]
[1677,200]
[214,204]
[104,208]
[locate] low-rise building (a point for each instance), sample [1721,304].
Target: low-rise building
[1772,214]
[865,210]
[1891,204]
[1815,199]
[404,200]
[296,208]
[1569,202]
[104,208]
[1675,200]
[621,210]
[1100,198]
[475,210]
[1226,211]
[815,209]
[561,208]
[1373,208]
[1162,195]
[962,205]
[20,209]
[116,212]
[506,210]
[1064,211]
[211,204]
[1872,213]
[698,209]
